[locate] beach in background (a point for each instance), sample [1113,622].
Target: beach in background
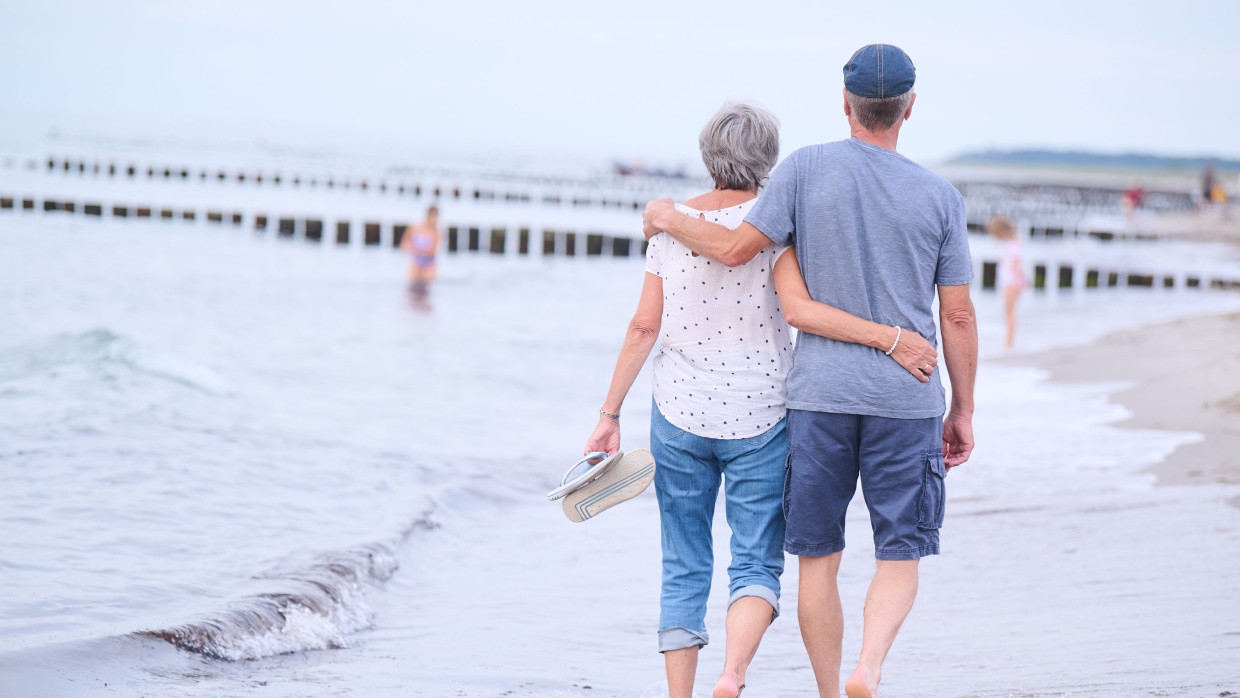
[1177,376]
[238,465]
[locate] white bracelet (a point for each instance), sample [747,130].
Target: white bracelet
[895,343]
[609,415]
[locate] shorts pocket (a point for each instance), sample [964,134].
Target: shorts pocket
[933,493]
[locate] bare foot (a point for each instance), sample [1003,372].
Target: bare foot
[729,686]
[859,685]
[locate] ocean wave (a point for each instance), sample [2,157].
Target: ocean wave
[323,604]
[102,348]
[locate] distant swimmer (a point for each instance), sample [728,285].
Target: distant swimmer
[1010,277]
[420,241]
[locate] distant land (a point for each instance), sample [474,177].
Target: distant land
[1094,161]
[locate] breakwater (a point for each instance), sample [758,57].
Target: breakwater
[1078,238]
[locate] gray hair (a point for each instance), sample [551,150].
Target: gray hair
[879,113]
[740,145]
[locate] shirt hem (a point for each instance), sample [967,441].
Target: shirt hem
[865,410]
[699,432]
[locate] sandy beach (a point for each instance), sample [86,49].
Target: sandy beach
[1066,569]
[1180,376]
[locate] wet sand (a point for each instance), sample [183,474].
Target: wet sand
[1180,376]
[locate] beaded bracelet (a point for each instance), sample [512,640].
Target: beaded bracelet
[895,343]
[609,415]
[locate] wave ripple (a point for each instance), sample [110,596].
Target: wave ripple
[101,351]
[324,604]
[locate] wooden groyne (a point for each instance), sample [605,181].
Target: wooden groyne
[500,214]
[1077,237]
[521,240]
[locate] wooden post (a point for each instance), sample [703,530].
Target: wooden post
[1065,276]
[990,271]
[594,244]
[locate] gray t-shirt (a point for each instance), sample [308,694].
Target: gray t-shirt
[875,233]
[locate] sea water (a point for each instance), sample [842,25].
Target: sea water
[239,465]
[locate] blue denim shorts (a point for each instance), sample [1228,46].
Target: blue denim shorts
[900,465]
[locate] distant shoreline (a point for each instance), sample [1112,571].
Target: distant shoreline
[1187,378]
[1082,160]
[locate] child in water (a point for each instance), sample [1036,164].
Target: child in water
[1010,274]
[420,241]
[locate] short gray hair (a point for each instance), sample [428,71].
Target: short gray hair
[879,113]
[740,145]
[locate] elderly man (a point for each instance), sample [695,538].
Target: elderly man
[875,235]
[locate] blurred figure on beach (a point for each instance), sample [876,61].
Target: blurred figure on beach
[421,242]
[719,405]
[875,235]
[1010,277]
[1132,199]
[1213,193]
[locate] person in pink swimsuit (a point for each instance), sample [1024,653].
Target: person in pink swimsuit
[420,242]
[1010,277]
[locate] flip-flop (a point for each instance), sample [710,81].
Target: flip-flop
[623,479]
[583,472]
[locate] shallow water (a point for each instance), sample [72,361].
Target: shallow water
[260,450]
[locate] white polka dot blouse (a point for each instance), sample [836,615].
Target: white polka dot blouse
[726,349]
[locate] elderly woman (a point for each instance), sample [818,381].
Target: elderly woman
[718,412]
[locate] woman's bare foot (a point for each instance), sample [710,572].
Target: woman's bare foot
[729,686]
[859,685]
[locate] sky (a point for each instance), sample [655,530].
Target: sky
[630,81]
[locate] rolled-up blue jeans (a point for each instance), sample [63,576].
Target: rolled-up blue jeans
[687,476]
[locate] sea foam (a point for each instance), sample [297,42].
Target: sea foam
[319,607]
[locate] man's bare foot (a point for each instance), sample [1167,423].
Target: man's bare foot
[859,685]
[729,686]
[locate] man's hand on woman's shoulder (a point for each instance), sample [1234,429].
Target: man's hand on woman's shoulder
[658,215]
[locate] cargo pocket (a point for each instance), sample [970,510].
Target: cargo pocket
[933,493]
